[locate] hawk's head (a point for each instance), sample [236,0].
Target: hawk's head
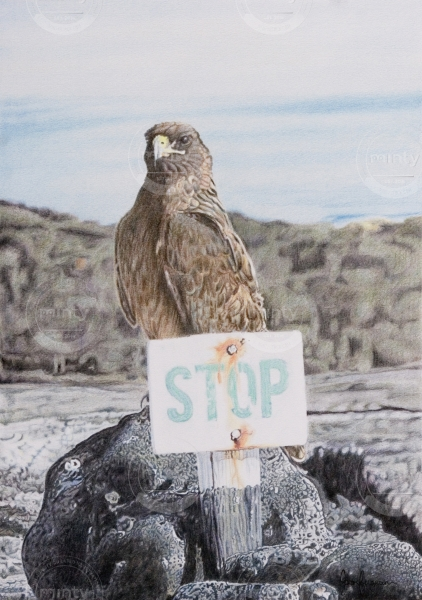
[177,148]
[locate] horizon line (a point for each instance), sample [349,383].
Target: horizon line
[336,221]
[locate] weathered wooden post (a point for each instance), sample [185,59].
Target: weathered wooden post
[224,396]
[230,488]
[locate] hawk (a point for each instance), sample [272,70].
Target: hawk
[180,266]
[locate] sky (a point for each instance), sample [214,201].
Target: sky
[319,123]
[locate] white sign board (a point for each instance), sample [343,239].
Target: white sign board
[222,391]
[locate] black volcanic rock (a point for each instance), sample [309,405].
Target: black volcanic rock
[212,590]
[119,522]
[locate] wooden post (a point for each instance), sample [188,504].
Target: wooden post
[229,483]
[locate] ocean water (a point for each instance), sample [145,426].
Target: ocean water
[301,162]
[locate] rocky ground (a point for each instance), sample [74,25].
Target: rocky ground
[367,425]
[354,293]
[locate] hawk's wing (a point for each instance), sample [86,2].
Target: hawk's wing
[121,290]
[210,276]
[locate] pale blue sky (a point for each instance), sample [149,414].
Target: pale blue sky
[282,115]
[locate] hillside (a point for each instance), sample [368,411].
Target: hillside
[355,293]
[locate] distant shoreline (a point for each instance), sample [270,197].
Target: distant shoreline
[337,221]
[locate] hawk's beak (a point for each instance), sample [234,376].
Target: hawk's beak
[163,148]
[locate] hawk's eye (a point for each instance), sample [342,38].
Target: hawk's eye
[184,139]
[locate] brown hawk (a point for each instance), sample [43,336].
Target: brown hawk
[180,266]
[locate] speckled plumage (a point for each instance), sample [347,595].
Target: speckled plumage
[180,266]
